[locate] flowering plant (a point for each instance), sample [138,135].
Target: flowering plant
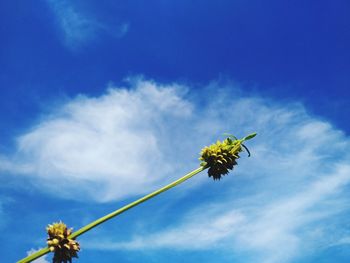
[218,158]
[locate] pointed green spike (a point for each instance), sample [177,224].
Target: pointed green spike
[250,136]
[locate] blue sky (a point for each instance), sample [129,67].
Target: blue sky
[104,102]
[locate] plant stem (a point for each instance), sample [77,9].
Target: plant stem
[35,255]
[115,213]
[135,203]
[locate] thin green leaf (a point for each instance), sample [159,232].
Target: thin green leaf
[250,136]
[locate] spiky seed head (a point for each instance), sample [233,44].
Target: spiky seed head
[220,157]
[59,242]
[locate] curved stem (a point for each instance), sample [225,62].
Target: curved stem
[116,212]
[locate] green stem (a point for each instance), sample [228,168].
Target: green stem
[35,255]
[135,203]
[115,213]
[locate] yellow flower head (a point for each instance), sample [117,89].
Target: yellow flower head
[60,243]
[221,157]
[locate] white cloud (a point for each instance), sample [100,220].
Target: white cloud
[39,260]
[107,147]
[342,241]
[79,28]
[132,140]
[273,231]
[196,233]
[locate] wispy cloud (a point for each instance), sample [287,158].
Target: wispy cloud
[297,184]
[121,144]
[278,231]
[342,241]
[109,147]
[79,28]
